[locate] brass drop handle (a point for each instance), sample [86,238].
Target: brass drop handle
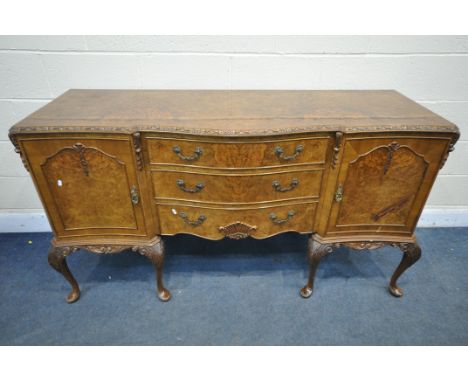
[134,195]
[339,194]
[277,185]
[280,153]
[288,217]
[185,218]
[196,154]
[198,187]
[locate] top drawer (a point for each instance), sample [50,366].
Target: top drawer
[237,154]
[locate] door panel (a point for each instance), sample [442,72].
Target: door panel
[90,189]
[384,183]
[87,185]
[381,186]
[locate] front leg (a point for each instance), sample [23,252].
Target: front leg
[411,254]
[57,260]
[316,250]
[155,253]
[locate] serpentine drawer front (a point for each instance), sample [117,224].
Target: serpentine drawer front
[236,222]
[232,155]
[236,188]
[119,169]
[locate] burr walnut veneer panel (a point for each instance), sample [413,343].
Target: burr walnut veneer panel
[87,184]
[237,154]
[236,188]
[118,169]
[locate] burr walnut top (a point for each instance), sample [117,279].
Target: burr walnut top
[232,112]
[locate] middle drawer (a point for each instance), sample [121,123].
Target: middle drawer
[235,188]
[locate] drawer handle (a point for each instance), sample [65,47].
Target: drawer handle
[196,154]
[134,195]
[197,188]
[280,153]
[275,219]
[277,185]
[185,218]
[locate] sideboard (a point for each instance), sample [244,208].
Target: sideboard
[119,169]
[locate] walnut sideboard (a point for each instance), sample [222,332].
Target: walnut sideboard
[118,169]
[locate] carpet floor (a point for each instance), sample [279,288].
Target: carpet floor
[236,293]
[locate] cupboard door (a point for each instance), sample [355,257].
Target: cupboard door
[89,187]
[383,183]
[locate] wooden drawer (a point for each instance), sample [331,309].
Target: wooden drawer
[237,223]
[236,188]
[236,154]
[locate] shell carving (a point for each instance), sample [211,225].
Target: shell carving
[237,230]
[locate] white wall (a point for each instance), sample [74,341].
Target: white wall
[432,70]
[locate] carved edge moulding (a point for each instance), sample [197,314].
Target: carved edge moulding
[449,150]
[211,132]
[336,149]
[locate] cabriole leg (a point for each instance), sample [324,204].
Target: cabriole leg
[316,251]
[155,253]
[411,254]
[57,260]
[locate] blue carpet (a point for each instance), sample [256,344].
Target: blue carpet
[236,293]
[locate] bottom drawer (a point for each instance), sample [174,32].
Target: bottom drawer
[236,223]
